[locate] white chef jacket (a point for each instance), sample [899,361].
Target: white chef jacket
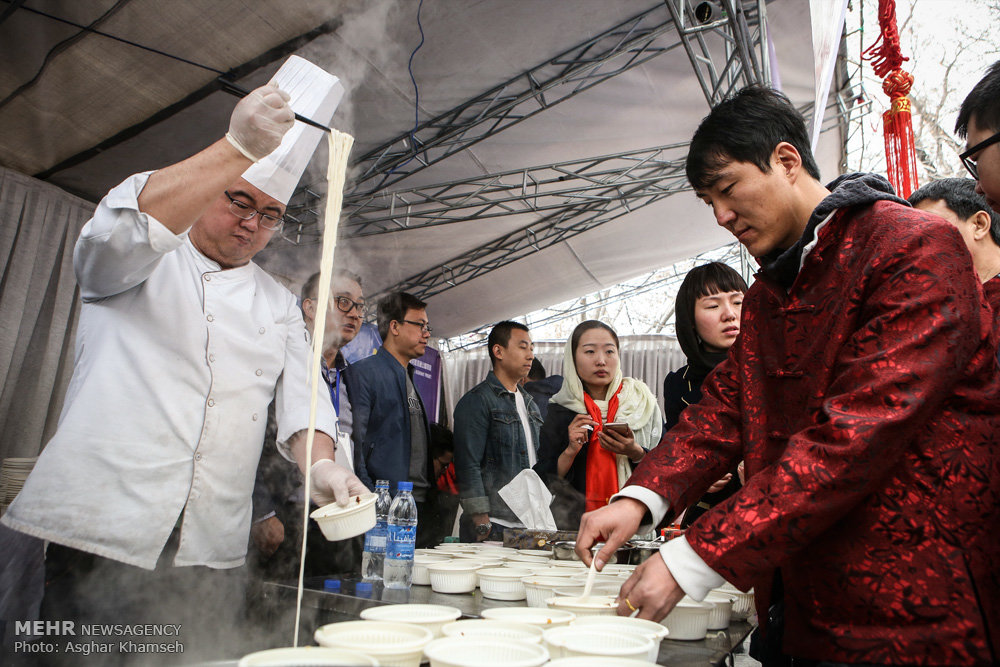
[176,363]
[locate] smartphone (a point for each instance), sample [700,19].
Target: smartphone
[621,428]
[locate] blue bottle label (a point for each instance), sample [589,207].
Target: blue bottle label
[401,541]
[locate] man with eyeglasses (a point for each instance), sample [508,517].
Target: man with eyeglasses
[979,123]
[956,200]
[390,430]
[145,488]
[277,498]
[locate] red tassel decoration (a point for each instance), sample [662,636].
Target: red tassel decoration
[897,125]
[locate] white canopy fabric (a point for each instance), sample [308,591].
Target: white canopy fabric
[91,89]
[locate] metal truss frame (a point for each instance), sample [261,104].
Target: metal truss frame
[619,49]
[569,198]
[533,190]
[743,29]
[550,230]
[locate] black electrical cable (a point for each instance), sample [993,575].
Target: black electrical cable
[12,6]
[84,29]
[61,46]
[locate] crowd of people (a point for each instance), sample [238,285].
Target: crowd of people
[831,440]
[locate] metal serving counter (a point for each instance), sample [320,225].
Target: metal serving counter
[325,607]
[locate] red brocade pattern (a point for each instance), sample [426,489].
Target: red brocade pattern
[864,402]
[897,124]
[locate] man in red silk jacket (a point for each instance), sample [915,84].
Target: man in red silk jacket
[863,394]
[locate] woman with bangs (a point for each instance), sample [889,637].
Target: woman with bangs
[707,322]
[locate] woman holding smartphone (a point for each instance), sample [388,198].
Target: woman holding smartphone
[707,312]
[599,424]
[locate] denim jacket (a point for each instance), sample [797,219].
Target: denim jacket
[489,445]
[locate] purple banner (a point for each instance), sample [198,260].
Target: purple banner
[427,380]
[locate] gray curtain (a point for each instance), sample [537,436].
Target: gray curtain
[39,307]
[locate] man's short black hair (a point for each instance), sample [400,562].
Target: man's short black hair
[393,307]
[959,194]
[500,335]
[982,103]
[746,128]
[310,288]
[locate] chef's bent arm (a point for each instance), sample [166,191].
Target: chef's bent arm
[145,216]
[177,195]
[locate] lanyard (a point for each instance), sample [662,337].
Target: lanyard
[334,388]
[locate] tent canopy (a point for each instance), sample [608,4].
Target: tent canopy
[528,218]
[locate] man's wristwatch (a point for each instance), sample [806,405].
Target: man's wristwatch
[483,529]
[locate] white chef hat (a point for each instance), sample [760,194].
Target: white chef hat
[315,94]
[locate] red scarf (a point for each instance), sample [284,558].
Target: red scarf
[602,468]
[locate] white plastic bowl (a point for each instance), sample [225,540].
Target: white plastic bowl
[722,611]
[311,656]
[543,553]
[341,523]
[431,616]
[571,641]
[615,568]
[567,573]
[461,652]
[484,628]
[537,589]
[744,604]
[456,548]
[594,605]
[545,618]
[595,661]
[521,558]
[455,576]
[688,620]
[420,576]
[570,564]
[502,583]
[648,629]
[392,644]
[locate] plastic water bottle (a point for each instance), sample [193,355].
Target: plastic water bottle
[373,555]
[402,538]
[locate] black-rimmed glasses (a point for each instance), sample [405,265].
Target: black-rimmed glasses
[967,159]
[245,211]
[424,327]
[346,305]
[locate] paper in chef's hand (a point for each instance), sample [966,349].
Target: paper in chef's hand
[528,498]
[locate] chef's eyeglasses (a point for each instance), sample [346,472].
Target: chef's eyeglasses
[970,162]
[245,211]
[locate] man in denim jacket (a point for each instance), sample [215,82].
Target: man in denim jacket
[496,434]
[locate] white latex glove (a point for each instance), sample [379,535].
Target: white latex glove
[331,482]
[259,122]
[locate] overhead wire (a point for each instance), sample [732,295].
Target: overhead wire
[61,46]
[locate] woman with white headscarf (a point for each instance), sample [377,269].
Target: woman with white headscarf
[574,445]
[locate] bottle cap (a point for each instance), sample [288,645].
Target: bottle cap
[404,486]
[363,589]
[450,539]
[381,483]
[331,585]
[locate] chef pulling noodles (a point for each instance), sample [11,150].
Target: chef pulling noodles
[145,489]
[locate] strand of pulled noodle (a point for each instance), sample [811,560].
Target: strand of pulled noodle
[336,174]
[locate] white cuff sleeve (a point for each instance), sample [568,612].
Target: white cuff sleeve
[265,517]
[688,569]
[656,503]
